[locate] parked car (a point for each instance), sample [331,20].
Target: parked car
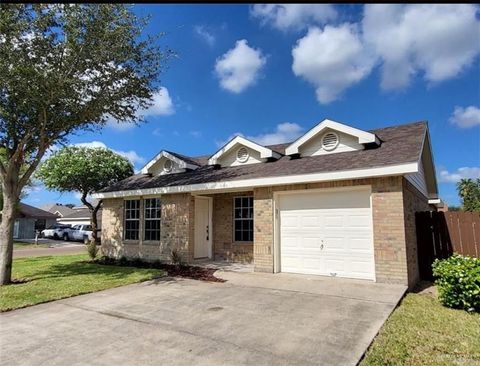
[55,231]
[78,233]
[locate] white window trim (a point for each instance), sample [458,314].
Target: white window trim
[239,140]
[363,136]
[139,220]
[234,219]
[145,219]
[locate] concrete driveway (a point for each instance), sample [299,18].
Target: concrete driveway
[253,319]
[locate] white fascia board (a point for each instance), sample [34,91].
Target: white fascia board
[264,152]
[181,164]
[270,181]
[363,136]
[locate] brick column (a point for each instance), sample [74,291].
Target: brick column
[263,229]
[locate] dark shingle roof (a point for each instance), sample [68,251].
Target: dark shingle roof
[400,145]
[25,210]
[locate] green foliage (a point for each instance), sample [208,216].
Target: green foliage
[469,191]
[176,257]
[458,282]
[83,169]
[92,249]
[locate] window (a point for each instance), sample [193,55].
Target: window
[243,218]
[132,219]
[153,214]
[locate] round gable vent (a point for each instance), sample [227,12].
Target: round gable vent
[242,155]
[330,141]
[168,166]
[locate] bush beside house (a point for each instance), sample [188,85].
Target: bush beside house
[458,282]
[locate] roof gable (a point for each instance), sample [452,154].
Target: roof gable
[262,152]
[362,137]
[180,163]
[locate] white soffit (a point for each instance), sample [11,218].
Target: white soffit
[239,140]
[363,136]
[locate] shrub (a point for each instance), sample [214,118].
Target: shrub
[458,282]
[176,257]
[92,249]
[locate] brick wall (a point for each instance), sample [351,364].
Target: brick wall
[263,229]
[176,231]
[224,247]
[413,201]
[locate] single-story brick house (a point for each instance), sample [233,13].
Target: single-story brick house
[338,201]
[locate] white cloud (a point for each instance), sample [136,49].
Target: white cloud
[239,67]
[437,40]
[331,59]
[466,117]
[204,34]
[130,155]
[284,132]
[466,172]
[162,105]
[293,16]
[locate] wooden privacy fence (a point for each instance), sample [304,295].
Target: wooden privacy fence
[440,234]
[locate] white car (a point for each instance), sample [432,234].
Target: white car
[78,233]
[56,231]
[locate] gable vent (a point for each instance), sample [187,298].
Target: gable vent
[330,141]
[242,155]
[168,166]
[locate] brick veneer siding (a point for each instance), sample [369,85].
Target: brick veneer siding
[392,262]
[394,203]
[413,201]
[176,231]
[224,247]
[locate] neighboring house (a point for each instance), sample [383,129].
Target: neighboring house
[29,219]
[338,201]
[80,216]
[58,209]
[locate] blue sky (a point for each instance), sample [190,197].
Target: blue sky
[272,72]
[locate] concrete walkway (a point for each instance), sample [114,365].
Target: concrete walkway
[253,319]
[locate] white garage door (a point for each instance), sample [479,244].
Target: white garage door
[327,233]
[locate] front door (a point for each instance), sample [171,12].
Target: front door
[202,245]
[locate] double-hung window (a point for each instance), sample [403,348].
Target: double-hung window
[152,217]
[132,219]
[243,218]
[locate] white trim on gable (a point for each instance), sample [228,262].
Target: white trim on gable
[181,163]
[239,140]
[363,136]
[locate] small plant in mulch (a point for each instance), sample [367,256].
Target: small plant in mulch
[173,270]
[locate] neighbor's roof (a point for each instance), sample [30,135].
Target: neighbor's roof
[62,209]
[81,213]
[25,210]
[400,145]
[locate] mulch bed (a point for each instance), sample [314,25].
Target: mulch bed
[182,270]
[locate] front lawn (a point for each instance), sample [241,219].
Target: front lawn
[42,279]
[25,245]
[423,332]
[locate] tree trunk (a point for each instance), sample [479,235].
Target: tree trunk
[94,222]
[6,234]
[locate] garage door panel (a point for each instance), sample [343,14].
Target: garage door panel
[341,221]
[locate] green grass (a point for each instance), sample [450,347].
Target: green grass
[57,277]
[24,245]
[423,332]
